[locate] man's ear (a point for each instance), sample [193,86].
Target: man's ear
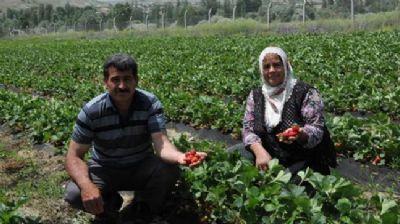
[136,79]
[105,84]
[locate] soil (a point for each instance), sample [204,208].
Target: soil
[47,159]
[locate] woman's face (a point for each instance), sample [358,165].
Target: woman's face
[273,71]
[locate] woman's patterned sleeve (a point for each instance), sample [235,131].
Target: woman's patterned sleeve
[312,111]
[248,135]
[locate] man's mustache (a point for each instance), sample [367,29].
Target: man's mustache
[123,90]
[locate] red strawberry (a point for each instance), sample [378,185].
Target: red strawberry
[296,128]
[376,160]
[191,157]
[290,132]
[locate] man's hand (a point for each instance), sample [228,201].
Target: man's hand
[78,170]
[92,200]
[192,158]
[168,152]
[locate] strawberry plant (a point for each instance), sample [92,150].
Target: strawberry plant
[9,213]
[230,189]
[204,82]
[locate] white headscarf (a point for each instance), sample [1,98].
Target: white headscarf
[276,96]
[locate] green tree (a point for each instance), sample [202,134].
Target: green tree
[137,13]
[241,8]
[41,12]
[170,12]
[121,13]
[48,12]
[380,5]
[252,5]
[194,14]
[227,8]
[90,18]
[210,4]
[60,15]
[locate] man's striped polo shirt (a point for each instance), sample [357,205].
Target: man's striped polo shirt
[118,142]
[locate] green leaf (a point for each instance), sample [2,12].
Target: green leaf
[305,174]
[343,205]
[238,202]
[390,218]
[387,205]
[296,190]
[269,207]
[318,218]
[273,165]
[282,177]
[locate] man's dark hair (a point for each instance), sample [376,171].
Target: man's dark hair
[121,62]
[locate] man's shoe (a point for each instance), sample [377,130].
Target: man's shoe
[137,213]
[107,218]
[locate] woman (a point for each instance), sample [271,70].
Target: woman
[281,102]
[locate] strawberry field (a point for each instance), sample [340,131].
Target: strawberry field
[203,82]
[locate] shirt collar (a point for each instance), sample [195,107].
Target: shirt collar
[110,102]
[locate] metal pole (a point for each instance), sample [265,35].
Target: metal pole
[185,18]
[352,12]
[115,27]
[209,15]
[85,25]
[130,23]
[304,11]
[101,20]
[268,8]
[233,13]
[147,21]
[162,19]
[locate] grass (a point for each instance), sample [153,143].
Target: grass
[38,179]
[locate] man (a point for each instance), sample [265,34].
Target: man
[122,125]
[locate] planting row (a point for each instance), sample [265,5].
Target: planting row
[354,72]
[52,121]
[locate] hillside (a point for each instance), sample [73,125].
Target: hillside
[21,4]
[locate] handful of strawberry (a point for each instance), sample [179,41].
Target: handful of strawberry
[191,157]
[291,132]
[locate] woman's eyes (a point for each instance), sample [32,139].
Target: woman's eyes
[275,65]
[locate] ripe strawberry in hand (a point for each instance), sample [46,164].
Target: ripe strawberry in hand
[288,133]
[191,157]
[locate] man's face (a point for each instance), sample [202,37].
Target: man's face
[120,84]
[273,71]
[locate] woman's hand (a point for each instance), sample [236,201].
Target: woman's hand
[262,161]
[292,134]
[291,139]
[262,156]
[301,137]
